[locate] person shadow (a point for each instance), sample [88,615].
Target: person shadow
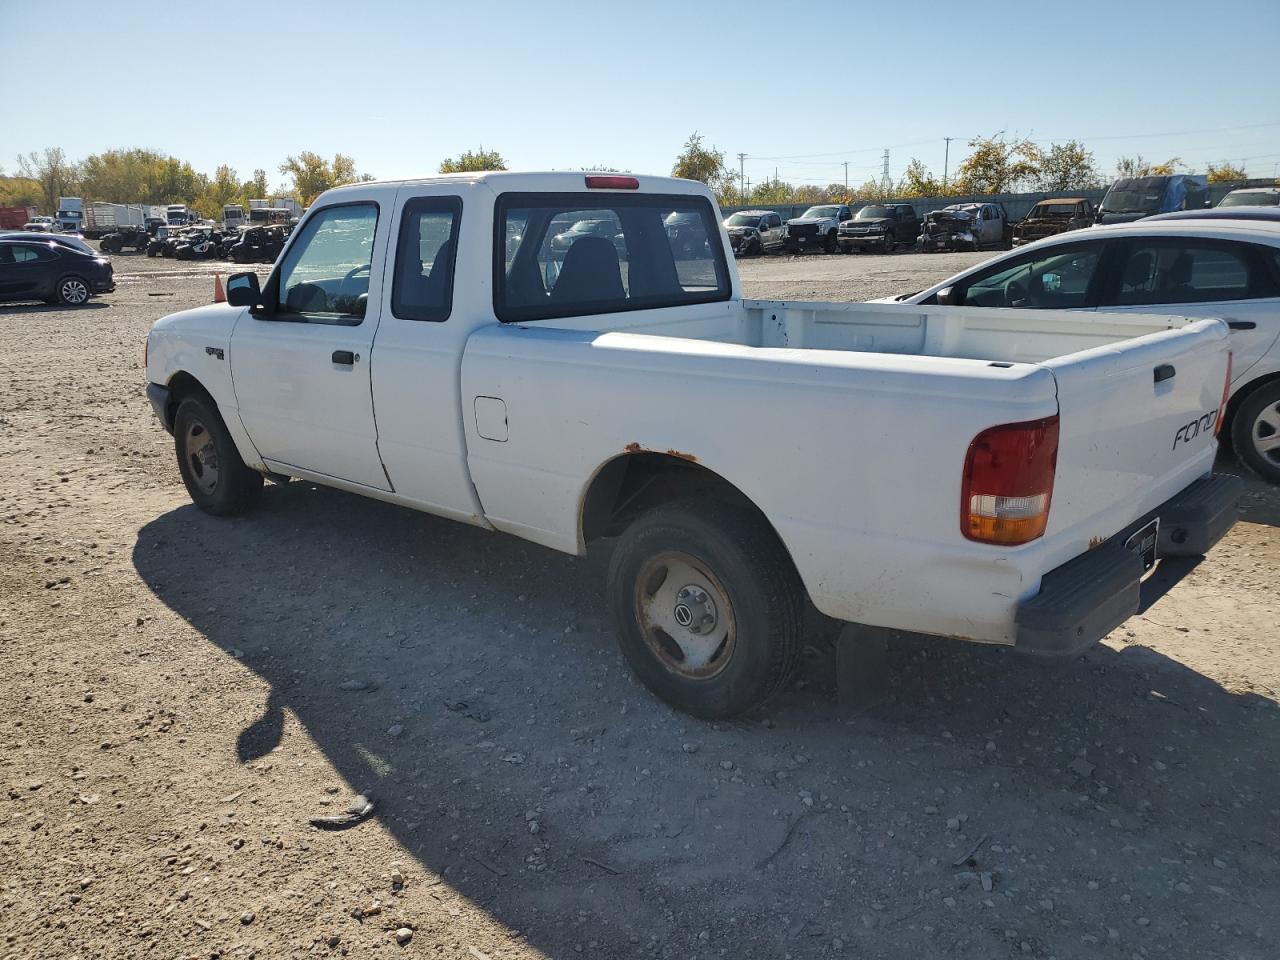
[470,680]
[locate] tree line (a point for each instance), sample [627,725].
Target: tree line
[993,165]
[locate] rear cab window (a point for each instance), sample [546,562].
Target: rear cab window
[1193,270]
[425,256]
[573,254]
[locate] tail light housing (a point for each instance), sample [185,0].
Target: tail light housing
[1008,482]
[600,182]
[1222,405]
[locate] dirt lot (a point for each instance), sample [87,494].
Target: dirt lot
[179,695]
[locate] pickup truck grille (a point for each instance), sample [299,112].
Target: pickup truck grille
[803,230]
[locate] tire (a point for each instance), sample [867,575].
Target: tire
[73,291]
[1255,423]
[829,243]
[888,243]
[743,621]
[216,478]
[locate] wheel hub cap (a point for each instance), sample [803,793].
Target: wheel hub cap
[1266,433]
[685,615]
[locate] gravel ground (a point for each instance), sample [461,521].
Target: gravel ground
[180,695]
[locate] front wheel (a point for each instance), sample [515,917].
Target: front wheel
[707,607]
[215,476]
[1255,432]
[829,243]
[73,291]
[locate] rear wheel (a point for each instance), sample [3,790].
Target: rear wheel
[215,476]
[1255,432]
[707,607]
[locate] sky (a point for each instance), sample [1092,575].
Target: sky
[800,88]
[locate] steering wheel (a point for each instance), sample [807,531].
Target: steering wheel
[1015,294]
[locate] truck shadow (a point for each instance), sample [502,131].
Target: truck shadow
[470,681]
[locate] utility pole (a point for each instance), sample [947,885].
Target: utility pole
[946,161]
[742,175]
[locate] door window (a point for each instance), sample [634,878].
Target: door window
[23,254]
[425,258]
[1055,279]
[1186,271]
[325,276]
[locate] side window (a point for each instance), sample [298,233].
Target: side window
[581,253]
[1186,271]
[422,288]
[325,276]
[6,254]
[1056,279]
[24,254]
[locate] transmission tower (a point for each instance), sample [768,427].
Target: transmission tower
[886,184]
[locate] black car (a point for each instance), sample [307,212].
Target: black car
[44,270]
[61,239]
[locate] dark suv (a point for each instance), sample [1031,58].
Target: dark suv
[879,226]
[43,270]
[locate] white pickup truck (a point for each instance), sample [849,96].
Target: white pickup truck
[1003,476]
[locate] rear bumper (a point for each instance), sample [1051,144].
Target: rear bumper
[1086,598]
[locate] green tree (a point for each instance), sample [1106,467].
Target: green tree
[1067,166]
[997,165]
[57,176]
[705,164]
[255,189]
[20,192]
[772,192]
[312,174]
[477,161]
[1139,166]
[1225,173]
[918,181]
[224,188]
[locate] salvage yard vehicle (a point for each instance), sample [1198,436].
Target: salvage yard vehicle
[879,226]
[405,347]
[1049,218]
[753,232]
[1132,198]
[817,227]
[1187,264]
[966,226]
[40,224]
[1252,197]
[135,237]
[258,245]
[61,239]
[38,269]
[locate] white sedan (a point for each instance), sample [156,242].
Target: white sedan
[1201,267]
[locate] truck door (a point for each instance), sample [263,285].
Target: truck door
[418,387]
[301,370]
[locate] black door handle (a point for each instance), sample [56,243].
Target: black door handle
[1165,372]
[344,357]
[1241,325]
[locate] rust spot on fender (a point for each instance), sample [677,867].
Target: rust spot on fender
[1096,542]
[633,447]
[683,456]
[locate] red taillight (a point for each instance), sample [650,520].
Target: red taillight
[1226,391]
[1008,482]
[600,182]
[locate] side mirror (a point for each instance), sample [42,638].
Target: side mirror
[948,297]
[243,290]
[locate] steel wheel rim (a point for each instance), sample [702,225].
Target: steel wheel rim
[1266,433]
[201,456]
[684,615]
[74,291]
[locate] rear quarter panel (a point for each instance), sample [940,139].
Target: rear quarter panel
[855,459]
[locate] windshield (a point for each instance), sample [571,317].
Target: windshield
[743,220]
[873,212]
[1133,201]
[1257,198]
[1053,210]
[816,212]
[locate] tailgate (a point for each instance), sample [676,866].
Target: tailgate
[1136,426]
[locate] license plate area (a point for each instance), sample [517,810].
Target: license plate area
[1143,543]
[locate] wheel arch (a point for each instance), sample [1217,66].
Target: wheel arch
[182,385]
[627,485]
[1239,397]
